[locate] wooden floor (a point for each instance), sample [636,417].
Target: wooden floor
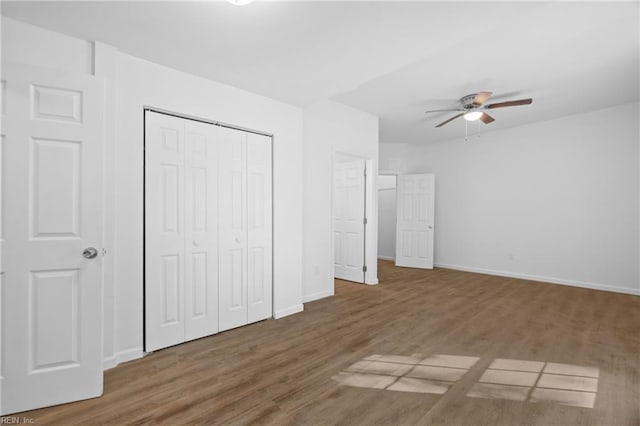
[280,372]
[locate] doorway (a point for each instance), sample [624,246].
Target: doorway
[406,219]
[353,220]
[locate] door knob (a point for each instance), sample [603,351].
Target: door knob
[196,243]
[237,239]
[430,227]
[90,252]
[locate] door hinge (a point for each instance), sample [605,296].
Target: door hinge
[364,268]
[364,221]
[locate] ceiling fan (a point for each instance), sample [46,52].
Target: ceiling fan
[473,107]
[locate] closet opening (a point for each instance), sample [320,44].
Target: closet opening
[208,228]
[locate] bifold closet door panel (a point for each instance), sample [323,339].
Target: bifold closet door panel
[232,228]
[201,230]
[259,225]
[164,230]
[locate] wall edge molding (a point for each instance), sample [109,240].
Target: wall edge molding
[288,311]
[317,296]
[121,357]
[542,279]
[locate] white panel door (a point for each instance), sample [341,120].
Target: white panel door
[414,229]
[201,230]
[232,226]
[52,198]
[164,231]
[259,224]
[348,216]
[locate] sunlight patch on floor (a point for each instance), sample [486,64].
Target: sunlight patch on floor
[535,381]
[508,379]
[433,374]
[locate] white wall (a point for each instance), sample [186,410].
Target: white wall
[387,217]
[30,45]
[555,201]
[330,129]
[132,83]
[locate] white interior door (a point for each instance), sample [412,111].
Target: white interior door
[164,231]
[414,229]
[349,220]
[259,224]
[208,229]
[52,197]
[232,226]
[201,230]
[181,243]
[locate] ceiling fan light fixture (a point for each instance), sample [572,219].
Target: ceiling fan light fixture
[473,115]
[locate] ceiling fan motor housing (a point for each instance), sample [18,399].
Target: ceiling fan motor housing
[467,102]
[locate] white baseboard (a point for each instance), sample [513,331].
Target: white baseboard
[386,257]
[288,311]
[551,280]
[122,356]
[371,282]
[316,296]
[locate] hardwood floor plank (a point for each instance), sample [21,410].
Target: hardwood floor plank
[280,372]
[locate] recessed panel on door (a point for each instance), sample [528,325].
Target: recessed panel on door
[54,323]
[56,103]
[259,228]
[201,230]
[55,203]
[232,225]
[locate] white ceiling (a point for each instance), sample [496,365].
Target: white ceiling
[393,59]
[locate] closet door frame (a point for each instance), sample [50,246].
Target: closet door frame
[270,297]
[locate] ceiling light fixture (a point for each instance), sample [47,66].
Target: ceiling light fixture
[473,115]
[239,2]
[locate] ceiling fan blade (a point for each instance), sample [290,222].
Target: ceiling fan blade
[443,110]
[481,98]
[510,103]
[486,118]
[451,119]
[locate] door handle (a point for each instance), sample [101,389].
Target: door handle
[90,253]
[430,227]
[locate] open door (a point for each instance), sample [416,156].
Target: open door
[52,129]
[414,226]
[349,220]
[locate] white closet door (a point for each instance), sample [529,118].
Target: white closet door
[414,226]
[201,230]
[232,225]
[259,235]
[52,127]
[164,231]
[349,227]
